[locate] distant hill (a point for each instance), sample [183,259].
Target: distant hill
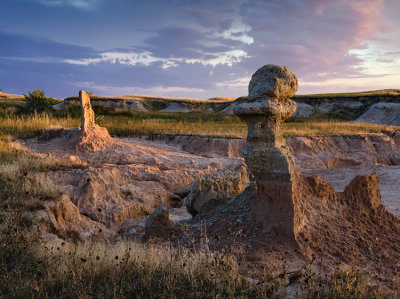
[10,97]
[372,93]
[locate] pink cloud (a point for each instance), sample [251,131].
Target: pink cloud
[314,37]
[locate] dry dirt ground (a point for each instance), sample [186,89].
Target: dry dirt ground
[123,182]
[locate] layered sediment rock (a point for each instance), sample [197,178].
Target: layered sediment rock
[266,153]
[287,203]
[87,113]
[215,189]
[91,137]
[159,218]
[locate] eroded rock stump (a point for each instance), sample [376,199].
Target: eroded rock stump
[266,153]
[91,137]
[87,113]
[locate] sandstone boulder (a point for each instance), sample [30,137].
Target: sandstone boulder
[62,217]
[272,81]
[363,192]
[159,218]
[303,110]
[216,189]
[266,154]
[106,196]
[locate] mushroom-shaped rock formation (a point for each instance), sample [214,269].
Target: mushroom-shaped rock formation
[266,154]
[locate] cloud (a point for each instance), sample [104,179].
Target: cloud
[124,90]
[310,36]
[238,31]
[147,59]
[240,83]
[80,4]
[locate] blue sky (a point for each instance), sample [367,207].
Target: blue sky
[197,49]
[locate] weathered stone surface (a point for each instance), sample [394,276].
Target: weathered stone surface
[303,110]
[215,189]
[87,114]
[266,154]
[363,192]
[382,113]
[159,218]
[62,217]
[90,137]
[176,107]
[137,106]
[272,81]
[108,197]
[287,203]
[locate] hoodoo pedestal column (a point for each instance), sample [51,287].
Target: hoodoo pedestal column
[266,154]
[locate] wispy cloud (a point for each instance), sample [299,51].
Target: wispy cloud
[238,31]
[238,83]
[81,4]
[124,90]
[146,58]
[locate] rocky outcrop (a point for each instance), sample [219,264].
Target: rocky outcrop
[317,152]
[363,193]
[215,189]
[176,107]
[87,113]
[382,113]
[106,196]
[158,219]
[266,154]
[303,110]
[136,106]
[288,204]
[90,137]
[62,217]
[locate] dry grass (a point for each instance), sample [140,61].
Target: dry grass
[125,126]
[31,125]
[234,128]
[371,93]
[334,128]
[215,126]
[144,98]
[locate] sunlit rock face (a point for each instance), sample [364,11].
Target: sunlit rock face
[87,114]
[266,153]
[90,137]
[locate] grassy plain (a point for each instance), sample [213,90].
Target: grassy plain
[205,124]
[372,93]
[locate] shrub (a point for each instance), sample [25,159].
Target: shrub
[37,102]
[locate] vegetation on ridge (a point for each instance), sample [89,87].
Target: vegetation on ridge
[372,93]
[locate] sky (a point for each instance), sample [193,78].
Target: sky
[198,49]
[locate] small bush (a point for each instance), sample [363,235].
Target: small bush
[37,102]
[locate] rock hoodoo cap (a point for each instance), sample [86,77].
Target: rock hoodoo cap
[273,81]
